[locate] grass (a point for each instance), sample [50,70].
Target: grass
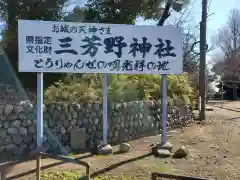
[63,175]
[76,175]
[164,168]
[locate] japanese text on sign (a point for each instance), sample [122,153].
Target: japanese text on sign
[99,48]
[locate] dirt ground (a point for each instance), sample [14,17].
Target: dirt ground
[213,153]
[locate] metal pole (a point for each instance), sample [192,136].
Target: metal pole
[202,77]
[222,93]
[39,120]
[164,109]
[105,109]
[164,84]
[39,109]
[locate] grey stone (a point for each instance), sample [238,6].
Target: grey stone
[45,138]
[22,116]
[11,147]
[3,132]
[91,145]
[110,134]
[32,129]
[78,139]
[17,139]
[66,123]
[7,140]
[181,152]
[74,114]
[28,139]
[1,109]
[98,141]
[16,124]
[127,121]
[2,148]
[1,141]
[12,131]
[167,146]
[8,109]
[26,123]
[17,109]
[32,146]
[63,130]
[124,147]
[58,107]
[79,123]
[99,134]
[77,107]
[85,121]
[69,129]
[116,133]
[74,122]
[96,121]
[90,121]
[163,153]
[51,123]
[23,131]
[65,139]
[30,116]
[105,149]
[69,117]
[27,106]
[22,149]
[11,117]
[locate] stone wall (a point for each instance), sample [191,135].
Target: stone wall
[127,121]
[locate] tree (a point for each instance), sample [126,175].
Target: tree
[115,12]
[123,11]
[228,40]
[106,11]
[191,54]
[11,11]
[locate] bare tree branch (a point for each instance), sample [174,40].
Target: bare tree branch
[165,14]
[228,40]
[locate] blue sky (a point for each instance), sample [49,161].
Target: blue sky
[220,8]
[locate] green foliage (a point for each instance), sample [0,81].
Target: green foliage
[10,12]
[68,175]
[88,88]
[75,175]
[107,11]
[120,11]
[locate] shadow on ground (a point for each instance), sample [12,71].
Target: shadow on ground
[20,175]
[93,175]
[113,166]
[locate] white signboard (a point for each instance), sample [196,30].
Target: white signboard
[56,46]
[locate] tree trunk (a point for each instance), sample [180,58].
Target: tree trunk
[234,91]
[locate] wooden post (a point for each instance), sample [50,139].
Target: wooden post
[3,174]
[38,167]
